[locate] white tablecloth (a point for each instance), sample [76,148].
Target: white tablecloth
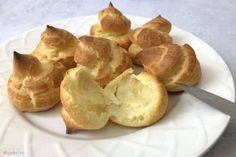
[214,21]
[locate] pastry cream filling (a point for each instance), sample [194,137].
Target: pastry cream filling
[88,96]
[134,98]
[129,99]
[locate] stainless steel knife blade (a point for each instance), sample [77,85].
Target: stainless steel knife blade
[215,101]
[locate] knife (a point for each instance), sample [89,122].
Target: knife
[215,101]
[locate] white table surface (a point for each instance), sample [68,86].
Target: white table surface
[214,21]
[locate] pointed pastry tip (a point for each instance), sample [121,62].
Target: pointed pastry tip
[50,27]
[16,55]
[111,5]
[24,64]
[54,36]
[158,17]
[68,130]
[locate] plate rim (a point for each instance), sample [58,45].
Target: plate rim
[2,45]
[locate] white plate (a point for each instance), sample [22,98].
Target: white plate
[189,129]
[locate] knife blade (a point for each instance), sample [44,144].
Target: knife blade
[215,101]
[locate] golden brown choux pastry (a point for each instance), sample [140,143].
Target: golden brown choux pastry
[152,33]
[57,45]
[159,24]
[104,58]
[112,25]
[172,64]
[129,100]
[34,86]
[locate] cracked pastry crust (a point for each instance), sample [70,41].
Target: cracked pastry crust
[172,64]
[153,33]
[102,57]
[57,45]
[112,25]
[34,86]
